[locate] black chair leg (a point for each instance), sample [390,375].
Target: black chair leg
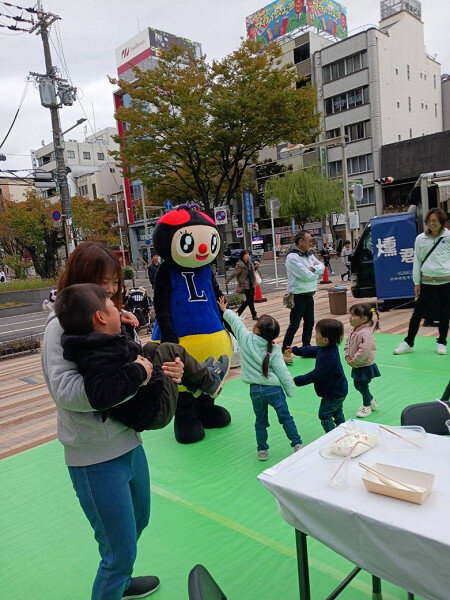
[410,596]
[376,588]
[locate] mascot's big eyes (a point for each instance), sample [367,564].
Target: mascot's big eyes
[186,243]
[214,243]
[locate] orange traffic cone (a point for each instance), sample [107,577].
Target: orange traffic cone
[325,279]
[258,295]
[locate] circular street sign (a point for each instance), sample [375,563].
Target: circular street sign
[148,242]
[221,216]
[56,215]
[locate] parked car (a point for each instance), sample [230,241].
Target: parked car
[232,256]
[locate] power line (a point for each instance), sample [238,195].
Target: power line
[26,9]
[16,115]
[17,19]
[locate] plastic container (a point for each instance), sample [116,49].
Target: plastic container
[408,476]
[336,468]
[408,437]
[338,301]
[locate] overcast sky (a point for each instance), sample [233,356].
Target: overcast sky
[90,30]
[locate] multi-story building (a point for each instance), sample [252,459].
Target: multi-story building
[445,87]
[12,189]
[141,50]
[83,159]
[380,86]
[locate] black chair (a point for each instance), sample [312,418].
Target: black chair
[201,585]
[429,415]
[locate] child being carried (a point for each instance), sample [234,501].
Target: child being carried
[128,382]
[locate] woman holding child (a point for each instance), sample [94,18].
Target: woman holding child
[105,458]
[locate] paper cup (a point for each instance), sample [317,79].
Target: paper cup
[336,468]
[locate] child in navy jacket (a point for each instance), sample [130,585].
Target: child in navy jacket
[328,375]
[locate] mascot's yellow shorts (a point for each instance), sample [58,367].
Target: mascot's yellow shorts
[203,345]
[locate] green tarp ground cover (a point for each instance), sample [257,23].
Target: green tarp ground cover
[207,506]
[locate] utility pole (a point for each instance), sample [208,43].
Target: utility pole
[56,92]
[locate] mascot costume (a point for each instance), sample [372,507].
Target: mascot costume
[185,302]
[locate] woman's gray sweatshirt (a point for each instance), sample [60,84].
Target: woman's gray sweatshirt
[86,438]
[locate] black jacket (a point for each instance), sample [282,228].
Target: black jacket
[110,375]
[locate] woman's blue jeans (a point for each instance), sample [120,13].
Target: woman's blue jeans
[115,497]
[262,396]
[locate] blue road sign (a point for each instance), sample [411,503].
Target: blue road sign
[56,215]
[168,204]
[148,242]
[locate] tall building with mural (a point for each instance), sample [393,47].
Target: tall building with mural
[143,50]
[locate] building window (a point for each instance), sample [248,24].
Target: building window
[347,100]
[398,104]
[425,76]
[421,76]
[408,74]
[356,131]
[343,67]
[421,105]
[409,103]
[70,154]
[410,133]
[435,110]
[356,164]
[94,191]
[335,168]
[368,197]
[399,138]
[426,106]
[359,164]
[87,155]
[301,53]
[112,170]
[396,71]
[434,81]
[100,156]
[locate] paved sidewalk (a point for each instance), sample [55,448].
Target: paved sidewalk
[28,415]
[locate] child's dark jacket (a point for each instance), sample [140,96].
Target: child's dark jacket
[328,375]
[110,375]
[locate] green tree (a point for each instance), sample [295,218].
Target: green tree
[305,195]
[28,227]
[95,221]
[194,128]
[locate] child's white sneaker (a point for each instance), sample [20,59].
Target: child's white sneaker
[298,447]
[373,404]
[263,455]
[364,411]
[441,349]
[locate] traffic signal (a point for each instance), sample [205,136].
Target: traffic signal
[384,180]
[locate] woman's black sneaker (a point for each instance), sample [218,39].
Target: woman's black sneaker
[141,587]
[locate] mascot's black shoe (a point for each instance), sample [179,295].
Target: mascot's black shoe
[187,427]
[210,415]
[141,587]
[219,371]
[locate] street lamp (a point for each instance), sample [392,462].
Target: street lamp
[82,120]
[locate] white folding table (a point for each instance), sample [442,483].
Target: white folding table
[404,543]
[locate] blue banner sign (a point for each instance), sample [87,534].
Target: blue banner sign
[393,239]
[248,207]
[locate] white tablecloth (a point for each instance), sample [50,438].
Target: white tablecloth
[404,543]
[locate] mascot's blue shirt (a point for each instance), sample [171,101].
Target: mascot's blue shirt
[193,305]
